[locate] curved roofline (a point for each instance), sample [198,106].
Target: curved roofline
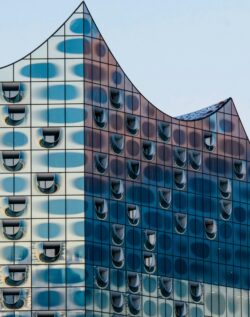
[177,118]
[48,38]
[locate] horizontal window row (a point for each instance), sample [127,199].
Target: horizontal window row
[102,280]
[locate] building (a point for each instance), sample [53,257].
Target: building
[109,207]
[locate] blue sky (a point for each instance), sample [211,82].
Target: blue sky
[181,54]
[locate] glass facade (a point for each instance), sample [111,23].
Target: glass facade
[108,206]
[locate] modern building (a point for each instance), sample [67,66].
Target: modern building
[108,206]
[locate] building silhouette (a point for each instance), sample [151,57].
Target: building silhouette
[110,207]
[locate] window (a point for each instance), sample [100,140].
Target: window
[133,124]
[51,137]
[180,179]
[149,262]
[240,169]
[115,98]
[181,309]
[13,298]
[117,143]
[195,159]
[117,188]
[16,206]
[134,282]
[165,198]
[164,131]
[117,256]
[13,229]
[15,275]
[166,286]
[195,291]
[225,209]
[150,239]
[100,117]
[12,92]
[101,208]
[180,223]
[12,160]
[49,251]
[16,115]
[101,162]
[210,228]
[133,169]
[134,304]
[117,301]
[133,214]
[118,234]
[102,277]
[46,183]
[180,157]
[149,150]
[225,187]
[209,140]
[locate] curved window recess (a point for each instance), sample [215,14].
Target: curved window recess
[46,183]
[164,130]
[225,209]
[15,275]
[16,206]
[51,137]
[149,262]
[133,214]
[180,223]
[195,159]
[115,98]
[101,208]
[117,143]
[117,256]
[12,160]
[133,124]
[134,282]
[100,117]
[180,157]
[240,169]
[13,229]
[12,92]
[225,188]
[209,140]
[117,301]
[117,188]
[133,169]
[181,309]
[166,286]
[180,179]
[102,277]
[16,115]
[49,251]
[13,298]
[165,198]
[150,239]
[211,228]
[118,234]
[101,162]
[195,291]
[149,150]
[134,304]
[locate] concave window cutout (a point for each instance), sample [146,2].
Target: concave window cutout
[12,92]
[16,115]
[117,143]
[51,137]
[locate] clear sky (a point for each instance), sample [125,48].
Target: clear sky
[181,54]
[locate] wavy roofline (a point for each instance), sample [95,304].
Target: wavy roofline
[179,118]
